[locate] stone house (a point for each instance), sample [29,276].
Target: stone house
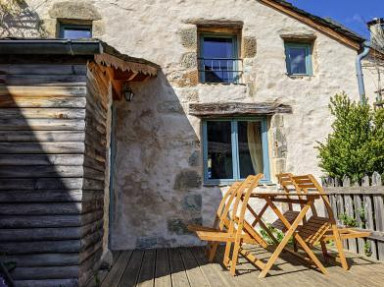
[243,87]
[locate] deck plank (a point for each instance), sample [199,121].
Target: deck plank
[147,272]
[178,274]
[195,275]
[188,267]
[162,275]
[117,271]
[212,271]
[131,272]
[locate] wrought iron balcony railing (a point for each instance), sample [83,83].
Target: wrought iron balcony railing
[220,70]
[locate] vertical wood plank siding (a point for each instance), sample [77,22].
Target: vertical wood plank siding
[52,156]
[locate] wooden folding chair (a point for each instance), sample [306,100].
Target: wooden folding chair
[221,219]
[287,184]
[325,227]
[233,229]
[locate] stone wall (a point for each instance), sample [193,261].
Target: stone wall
[158,185]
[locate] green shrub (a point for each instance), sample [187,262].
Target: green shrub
[376,143]
[367,249]
[356,145]
[348,220]
[279,235]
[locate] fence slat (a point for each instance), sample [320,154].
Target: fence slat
[349,211]
[368,207]
[360,223]
[376,179]
[365,181]
[379,217]
[341,211]
[379,213]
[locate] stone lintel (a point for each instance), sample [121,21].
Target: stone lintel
[74,10]
[299,37]
[219,23]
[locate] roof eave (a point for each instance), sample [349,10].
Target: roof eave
[336,32]
[94,48]
[49,47]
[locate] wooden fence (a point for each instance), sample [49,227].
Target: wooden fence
[360,205]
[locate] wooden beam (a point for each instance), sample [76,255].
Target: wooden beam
[139,78]
[237,109]
[122,75]
[132,76]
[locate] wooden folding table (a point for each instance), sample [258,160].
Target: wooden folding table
[306,201]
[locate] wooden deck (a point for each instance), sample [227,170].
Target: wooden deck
[183,267]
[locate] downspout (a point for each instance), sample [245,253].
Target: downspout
[359,70]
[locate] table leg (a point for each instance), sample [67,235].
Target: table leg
[258,219]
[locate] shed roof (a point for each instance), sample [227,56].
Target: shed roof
[102,52]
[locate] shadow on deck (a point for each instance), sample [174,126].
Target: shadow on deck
[183,267]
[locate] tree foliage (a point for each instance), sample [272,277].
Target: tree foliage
[356,145]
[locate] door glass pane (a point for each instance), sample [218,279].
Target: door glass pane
[297,60]
[250,148]
[219,150]
[218,59]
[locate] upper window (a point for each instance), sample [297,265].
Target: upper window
[234,149]
[70,31]
[299,59]
[218,59]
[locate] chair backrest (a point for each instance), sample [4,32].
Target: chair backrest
[288,185]
[222,212]
[286,182]
[234,198]
[242,198]
[309,183]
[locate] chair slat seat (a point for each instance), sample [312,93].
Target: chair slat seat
[290,215]
[194,228]
[223,236]
[314,229]
[217,235]
[346,233]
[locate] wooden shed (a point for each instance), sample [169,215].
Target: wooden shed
[55,101]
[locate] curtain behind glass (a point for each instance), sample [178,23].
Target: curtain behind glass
[250,148]
[255,146]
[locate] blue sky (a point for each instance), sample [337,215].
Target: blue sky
[351,13]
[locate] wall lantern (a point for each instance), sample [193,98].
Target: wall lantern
[127,92]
